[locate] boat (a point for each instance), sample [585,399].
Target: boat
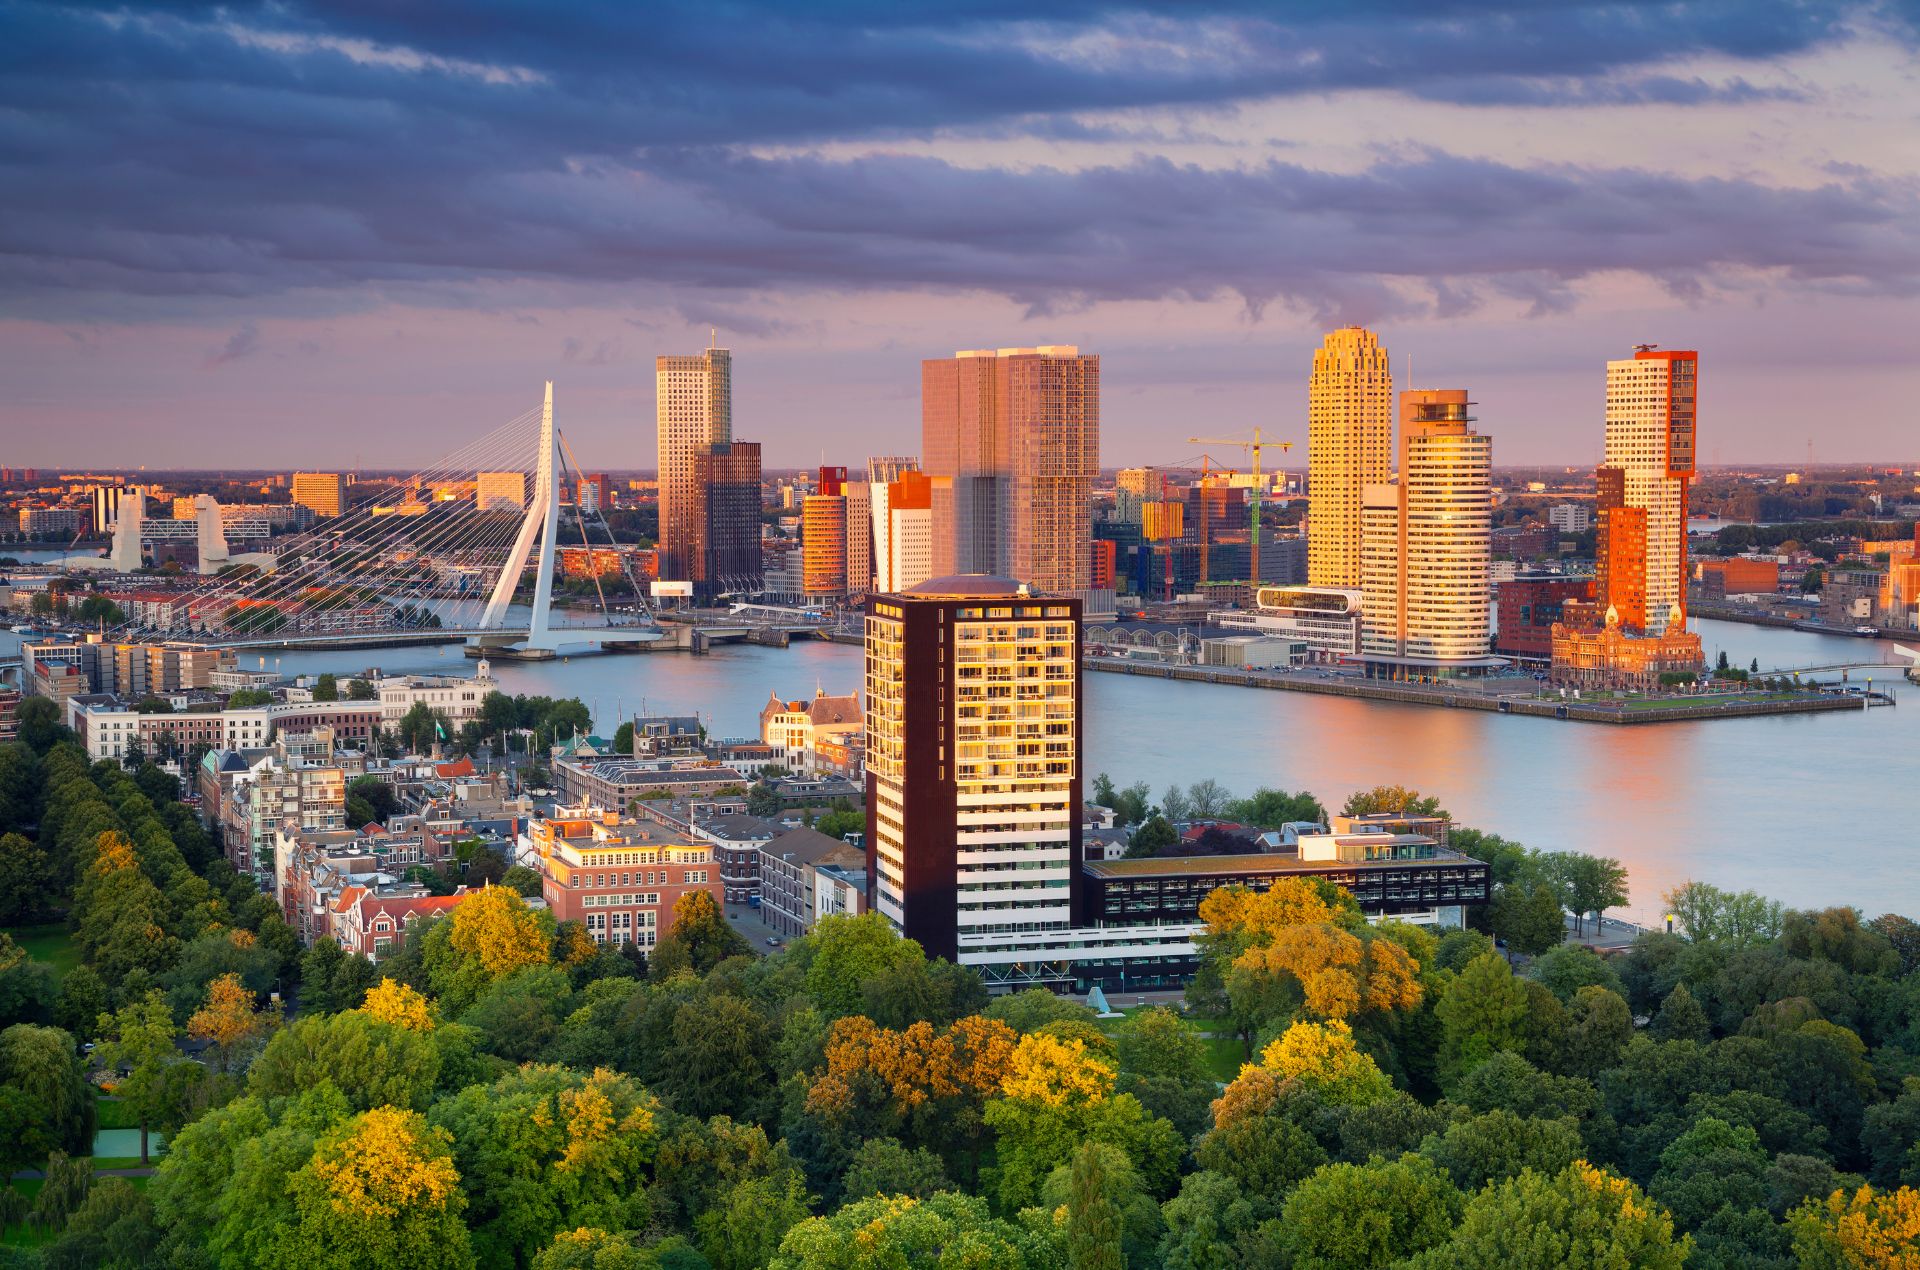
[1869,632]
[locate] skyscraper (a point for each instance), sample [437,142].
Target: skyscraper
[324,492]
[694,406]
[824,535]
[1652,399]
[882,473]
[1349,442]
[1426,544]
[725,556]
[973,769]
[1018,431]
[905,529]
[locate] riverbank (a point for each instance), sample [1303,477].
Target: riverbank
[1635,710]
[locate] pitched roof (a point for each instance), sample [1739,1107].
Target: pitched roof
[810,846]
[462,766]
[834,710]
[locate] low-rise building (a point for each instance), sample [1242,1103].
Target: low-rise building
[1327,619]
[796,728]
[373,921]
[1528,606]
[1615,658]
[616,876]
[312,870]
[455,698]
[1738,576]
[790,878]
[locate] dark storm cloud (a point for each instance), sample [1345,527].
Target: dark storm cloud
[241,150]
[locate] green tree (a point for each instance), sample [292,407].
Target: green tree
[1154,834]
[26,881]
[749,1220]
[1707,914]
[1158,1042]
[699,939]
[1599,1028]
[1588,884]
[1095,1234]
[848,951]
[326,687]
[1498,1145]
[371,1062]
[1130,805]
[1713,1165]
[717,1059]
[881,1166]
[1581,1218]
[1681,1018]
[623,738]
[56,1107]
[1368,1216]
[1270,808]
[1565,970]
[140,1040]
[245,698]
[1528,917]
[361,690]
[1481,1013]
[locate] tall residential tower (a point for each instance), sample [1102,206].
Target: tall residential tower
[973,771]
[1349,444]
[1426,544]
[1018,431]
[694,405]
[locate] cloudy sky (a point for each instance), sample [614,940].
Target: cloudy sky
[309,234]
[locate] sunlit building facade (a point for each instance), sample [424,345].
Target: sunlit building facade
[1349,447]
[1652,403]
[694,409]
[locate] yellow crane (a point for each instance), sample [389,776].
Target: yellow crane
[1253,447]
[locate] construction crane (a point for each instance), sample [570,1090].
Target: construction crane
[1254,447]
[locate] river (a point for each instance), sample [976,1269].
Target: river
[1812,810]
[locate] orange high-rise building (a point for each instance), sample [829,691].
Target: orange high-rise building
[1652,440]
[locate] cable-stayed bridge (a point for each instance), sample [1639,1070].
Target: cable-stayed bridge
[423,559]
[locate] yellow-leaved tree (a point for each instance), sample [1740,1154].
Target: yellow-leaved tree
[381,1189]
[1046,1069]
[1861,1228]
[1323,1057]
[495,926]
[393,1002]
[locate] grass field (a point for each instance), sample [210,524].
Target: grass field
[1225,1054]
[52,944]
[111,1113]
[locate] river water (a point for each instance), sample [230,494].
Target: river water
[1812,810]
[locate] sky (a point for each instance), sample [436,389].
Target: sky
[362,233]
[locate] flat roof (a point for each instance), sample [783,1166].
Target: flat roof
[1249,864]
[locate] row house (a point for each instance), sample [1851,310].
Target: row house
[738,841]
[373,921]
[313,870]
[804,868]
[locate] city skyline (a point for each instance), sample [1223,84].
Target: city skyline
[1486,194]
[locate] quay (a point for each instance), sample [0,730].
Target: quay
[1639,710]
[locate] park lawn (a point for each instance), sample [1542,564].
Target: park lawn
[52,943]
[1225,1053]
[111,1113]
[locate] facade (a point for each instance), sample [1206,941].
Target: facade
[1326,619]
[694,409]
[1652,436]
[826,537]
[791,878]
[500,491]
[456,698]
[1570,518]
[1530,606]
[900,505]
[1426,545]
[1616,658]
[973,766]
[725,552]
[324,493]
[617,877]
[9,714]
[1018,432]
[1349,447]
[52,523]
[1739,576]
[373,921]
[796,729]
[738,840]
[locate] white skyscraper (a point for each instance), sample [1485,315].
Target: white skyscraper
[1651,440]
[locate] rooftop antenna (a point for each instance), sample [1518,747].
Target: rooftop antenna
[713,338]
